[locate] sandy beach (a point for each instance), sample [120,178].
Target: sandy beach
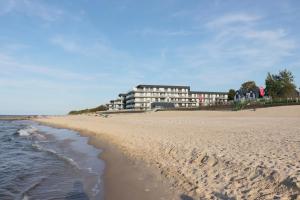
[207,154]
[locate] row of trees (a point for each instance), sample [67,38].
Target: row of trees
[279,85]
[91,110]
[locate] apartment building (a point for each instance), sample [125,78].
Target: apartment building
[145,97]
[202,98]
[142,96]
[116,104]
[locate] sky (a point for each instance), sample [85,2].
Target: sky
[61,55]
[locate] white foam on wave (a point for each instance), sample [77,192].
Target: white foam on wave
[31,131]
[27,131]
[96,188]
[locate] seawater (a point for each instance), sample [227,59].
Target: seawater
[41,162]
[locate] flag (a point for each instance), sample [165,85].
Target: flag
[261,91]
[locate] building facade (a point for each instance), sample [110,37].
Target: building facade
[146,97]
[116,104]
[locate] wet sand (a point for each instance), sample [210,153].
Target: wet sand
[130,179]
[205,154]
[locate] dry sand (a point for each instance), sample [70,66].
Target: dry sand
[209,154]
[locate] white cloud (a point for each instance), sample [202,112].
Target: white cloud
[50,84]
[10,47]
[266,35]
[9,64]
[231,19]
[7,6]
[159,32]
[13,69]
[67,45]
[278,38]
[235,50]
[76,46]
[34,8]
[180,13]
[250,40]
[46,12]
[97,48]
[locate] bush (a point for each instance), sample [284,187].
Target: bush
[261,103]
[91,110]
[239,105]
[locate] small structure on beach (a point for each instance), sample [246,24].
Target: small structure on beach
[241,96]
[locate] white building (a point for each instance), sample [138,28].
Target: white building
[142,96]
[116,104]
[145,97]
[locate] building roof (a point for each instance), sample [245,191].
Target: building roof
[114,100]
[164,86]
[206,92]
[122,94]
[130,92]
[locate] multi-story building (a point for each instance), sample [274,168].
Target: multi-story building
[202,98]
[144,97]
[116,104]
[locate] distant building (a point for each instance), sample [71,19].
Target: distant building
[146,97]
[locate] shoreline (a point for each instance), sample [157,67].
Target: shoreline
[12,118]
[125,178]
[245,154]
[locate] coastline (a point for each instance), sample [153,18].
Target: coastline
[17,117]
[125,178]
[205,154]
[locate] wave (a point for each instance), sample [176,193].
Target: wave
[27,131]
[58,155]
[31,131]
[96,188]
[31,187]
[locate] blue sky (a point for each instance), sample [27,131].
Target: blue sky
[59,55]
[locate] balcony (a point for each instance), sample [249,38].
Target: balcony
[159,91]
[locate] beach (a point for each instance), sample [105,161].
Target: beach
[200,154]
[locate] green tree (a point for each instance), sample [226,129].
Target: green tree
[272,85]
[249,86]
[281,85]
[288,88]
[231,94]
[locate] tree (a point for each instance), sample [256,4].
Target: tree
[272,85]
[288,88]
[248,87]
[231,94]
[281,85]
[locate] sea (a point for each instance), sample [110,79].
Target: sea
[39,162]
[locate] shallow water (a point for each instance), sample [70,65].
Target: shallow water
[41,162]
